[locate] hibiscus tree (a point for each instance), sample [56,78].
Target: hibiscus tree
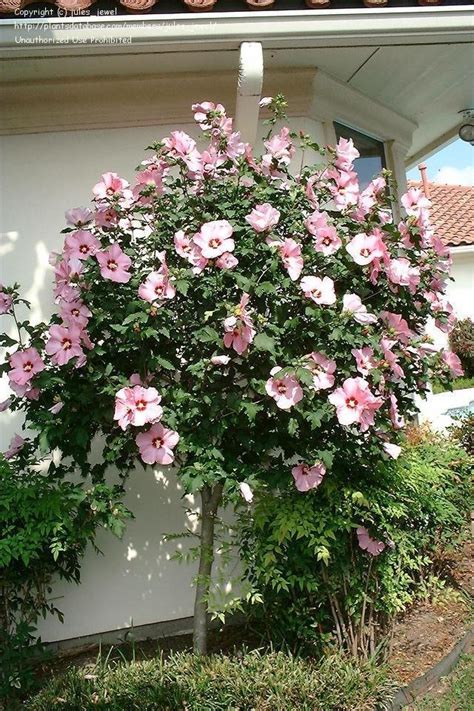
[238,321]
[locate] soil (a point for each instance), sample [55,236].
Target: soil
[429,631]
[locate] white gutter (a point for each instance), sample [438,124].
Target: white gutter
[462,249]
[249,90]
[310,28]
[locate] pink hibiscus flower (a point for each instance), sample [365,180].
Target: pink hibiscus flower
[79,216]
[137,406]
[110,185]
[322,369]
[414,201]
[400,271]
[214,238]
[453,363]
[351,303]
[239,329]
[156,287]
[327,241]
[391,360]
[371,545]
[290,253]
[226,261]
[321,291]
[6,301]
[25,390]
[364,359]
[81,244]
[263,217]
[187,249]
[355,403]
[64,343]
[114,264]
[180,145]
[156,444]
[25,365]
[16,445]
[345,191]
[316,221]
[397,326]
[280,147]
[66,273]
[397,420]
[346,153]
[182,244]
[308,477]
[75,313]
[237,335]
[365,248]
[286,390]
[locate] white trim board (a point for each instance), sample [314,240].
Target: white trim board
[389,26]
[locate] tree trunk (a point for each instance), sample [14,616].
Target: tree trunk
[210,500]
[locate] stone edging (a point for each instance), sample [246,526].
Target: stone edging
[407,694]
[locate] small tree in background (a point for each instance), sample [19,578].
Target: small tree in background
[237,321]
[461,340]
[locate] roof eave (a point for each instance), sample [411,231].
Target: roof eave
[302,28]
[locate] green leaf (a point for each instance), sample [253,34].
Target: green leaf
[207,335]
[262,342]
[182,286]
[166,364]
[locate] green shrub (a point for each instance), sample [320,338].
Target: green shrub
[301,554]
[456,384]
[462,432]
[461,340]
[45,526]
[263,682]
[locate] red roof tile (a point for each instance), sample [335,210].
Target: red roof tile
[452,212]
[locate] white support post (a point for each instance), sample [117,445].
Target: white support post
[249,90]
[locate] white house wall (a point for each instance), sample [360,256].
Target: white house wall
[461,290]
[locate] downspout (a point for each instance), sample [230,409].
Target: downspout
[249,90]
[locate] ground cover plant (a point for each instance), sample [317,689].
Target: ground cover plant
[249,319]
[264,682]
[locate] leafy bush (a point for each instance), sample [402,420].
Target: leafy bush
[302,553]
[461,340]
[462,431]
[262,682]
[45,526]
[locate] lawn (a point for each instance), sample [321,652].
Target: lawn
[454,693]
[457,384]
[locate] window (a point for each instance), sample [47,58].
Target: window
[372,154]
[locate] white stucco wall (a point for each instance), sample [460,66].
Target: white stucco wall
[461,290]
[42,175]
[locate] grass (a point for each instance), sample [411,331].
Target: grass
[259,681]
[456,693]
[457,384]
